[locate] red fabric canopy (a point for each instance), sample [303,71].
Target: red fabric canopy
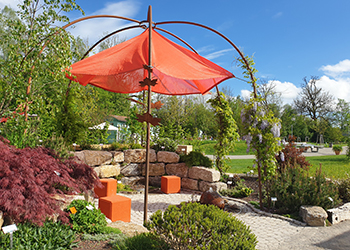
[120,69]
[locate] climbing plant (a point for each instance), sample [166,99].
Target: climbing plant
[227,130]
[261,130]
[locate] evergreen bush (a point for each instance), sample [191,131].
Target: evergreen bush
[344,189]
[195,158]
[144,241]
[197,226]
[294,188]
[239,191]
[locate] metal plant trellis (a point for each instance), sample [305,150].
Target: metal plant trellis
[148,82]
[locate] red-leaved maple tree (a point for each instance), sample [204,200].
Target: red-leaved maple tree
[30,177]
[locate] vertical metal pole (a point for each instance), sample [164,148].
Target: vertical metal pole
[149,112]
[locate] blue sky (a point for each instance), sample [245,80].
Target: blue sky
[290,40]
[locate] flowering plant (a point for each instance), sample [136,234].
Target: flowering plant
[262,132]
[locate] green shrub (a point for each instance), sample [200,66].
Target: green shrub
[344,189]
[85,220]
[165,144]
[196,159]
[294,187]
[196,226]
[239,191]
[144,241]
[49,236]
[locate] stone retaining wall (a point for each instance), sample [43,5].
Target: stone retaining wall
[131,164]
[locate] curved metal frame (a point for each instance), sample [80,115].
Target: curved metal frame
[142,25]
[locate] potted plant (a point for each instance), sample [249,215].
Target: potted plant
[337,149]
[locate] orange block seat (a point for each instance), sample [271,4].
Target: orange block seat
[116,207]
[109,188]
[171,184]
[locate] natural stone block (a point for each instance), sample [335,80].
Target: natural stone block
[188,183]
[178,169]
[314,216]
[132,169]
[139,155]
[168,157]
[97,158]
[97,170]
[216,186]
[118,156]
[131,181]
[109,171]
[135,155]
[336,215]
[155,181]
[80,158]
[205,174]
[155,169]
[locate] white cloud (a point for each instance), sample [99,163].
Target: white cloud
[217,54]
[10,3]
[339,88]
[96,28]
[338,70]
[336,79]
[245,94]
[287,89]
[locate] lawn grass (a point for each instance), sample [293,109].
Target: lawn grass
[239,166]
[333,166]
[207,146]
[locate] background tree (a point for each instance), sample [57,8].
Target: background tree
[313,101]
[341,116]
[271,98]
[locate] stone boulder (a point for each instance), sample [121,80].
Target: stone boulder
[168,157]
[97,158]
[132,169]
[135,155]
[64,200]
[205,174]
[336,215]
[314,216]
[216,186]
[139,155]
[178,169]
[155,169]
[212,197]
[80,157]
[188,183]
[106,171]
[134,180]
[118,156]
[155,181]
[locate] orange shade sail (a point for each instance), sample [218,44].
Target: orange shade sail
[178,70]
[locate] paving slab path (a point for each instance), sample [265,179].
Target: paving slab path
[272,233]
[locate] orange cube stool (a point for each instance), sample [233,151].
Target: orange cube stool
[171,184]
[116,207]
[109,188]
